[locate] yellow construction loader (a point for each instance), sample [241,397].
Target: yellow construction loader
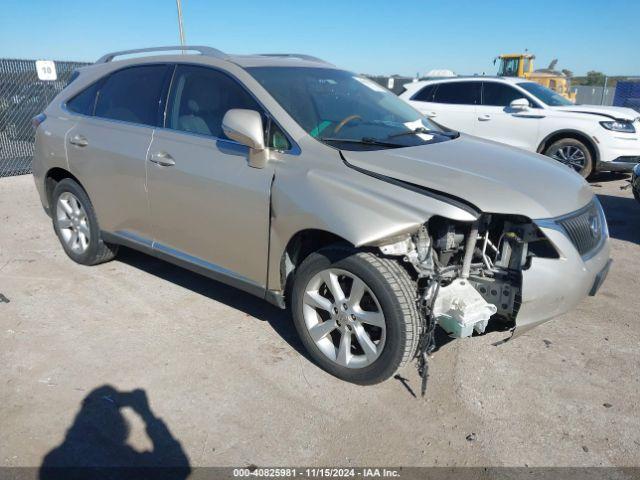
[521,65]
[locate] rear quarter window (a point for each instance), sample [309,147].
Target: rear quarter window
[84,101]
[425,94]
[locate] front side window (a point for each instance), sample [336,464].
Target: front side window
[201,96]
[132,95]
[458,93]
[544,94]
[498,94]
[345,110]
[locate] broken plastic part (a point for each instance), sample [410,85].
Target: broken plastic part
[460,309]
[399,247]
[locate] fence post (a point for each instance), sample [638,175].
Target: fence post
[604,90]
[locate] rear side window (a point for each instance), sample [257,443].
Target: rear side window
[426,94]
[498,94]
[458,93]
[132,95]
[201,96]
[84,101]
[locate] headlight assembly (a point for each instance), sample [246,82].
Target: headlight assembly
[619,126]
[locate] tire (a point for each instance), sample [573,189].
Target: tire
[82,221]
[582,161]
[389,290]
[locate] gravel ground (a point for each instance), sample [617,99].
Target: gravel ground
[226,374]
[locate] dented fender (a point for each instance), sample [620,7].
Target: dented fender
[352,205]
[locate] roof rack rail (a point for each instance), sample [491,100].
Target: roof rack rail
[211,52]
[301,56]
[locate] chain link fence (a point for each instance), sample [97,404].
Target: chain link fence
[23,96]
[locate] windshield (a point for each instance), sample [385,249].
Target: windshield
[345,110]
[545,94]
[508,67]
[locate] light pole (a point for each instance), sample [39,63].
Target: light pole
[181,30]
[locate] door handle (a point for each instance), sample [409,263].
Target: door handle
[78,141]
[484,118]
[163,159]
[431,114]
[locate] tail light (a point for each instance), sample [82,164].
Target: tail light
[38,119]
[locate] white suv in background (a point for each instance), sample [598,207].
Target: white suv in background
[527,115]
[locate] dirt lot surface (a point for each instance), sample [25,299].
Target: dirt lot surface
[226,375]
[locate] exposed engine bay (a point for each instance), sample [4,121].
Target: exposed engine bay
[477,267]
[469,274]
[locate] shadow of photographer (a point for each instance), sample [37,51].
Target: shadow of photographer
[95,446]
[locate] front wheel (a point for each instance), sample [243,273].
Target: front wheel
[573,154]
[355,313]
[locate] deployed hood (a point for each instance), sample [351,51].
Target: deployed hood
[493,177]
[609,112]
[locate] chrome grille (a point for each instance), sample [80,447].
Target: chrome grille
[585,228]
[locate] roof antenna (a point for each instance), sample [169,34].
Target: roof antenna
[181,30]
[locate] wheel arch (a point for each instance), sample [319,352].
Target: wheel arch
[302,244]
[54,176]
[576,135]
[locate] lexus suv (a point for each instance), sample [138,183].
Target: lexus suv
[315,189]
[524,114]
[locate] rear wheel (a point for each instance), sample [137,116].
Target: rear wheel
[355,313]
[76,225]
[573,154]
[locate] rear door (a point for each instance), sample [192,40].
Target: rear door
[452,104]
[208,207]
[108,145]
[497,121]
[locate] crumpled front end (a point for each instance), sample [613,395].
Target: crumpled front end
[501,268]
[505,267]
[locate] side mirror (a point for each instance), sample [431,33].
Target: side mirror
[245,126]
[519,104]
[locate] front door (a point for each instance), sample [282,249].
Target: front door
[497,121]
[208,207]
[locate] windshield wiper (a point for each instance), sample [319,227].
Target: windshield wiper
[419,130]
[362,141]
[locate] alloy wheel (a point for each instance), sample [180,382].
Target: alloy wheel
[571,156]
[73,222]
[344,318]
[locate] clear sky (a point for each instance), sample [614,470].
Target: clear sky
[374,36]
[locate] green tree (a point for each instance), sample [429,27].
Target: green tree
[594,78]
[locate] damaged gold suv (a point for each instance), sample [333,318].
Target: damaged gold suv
[315,189]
